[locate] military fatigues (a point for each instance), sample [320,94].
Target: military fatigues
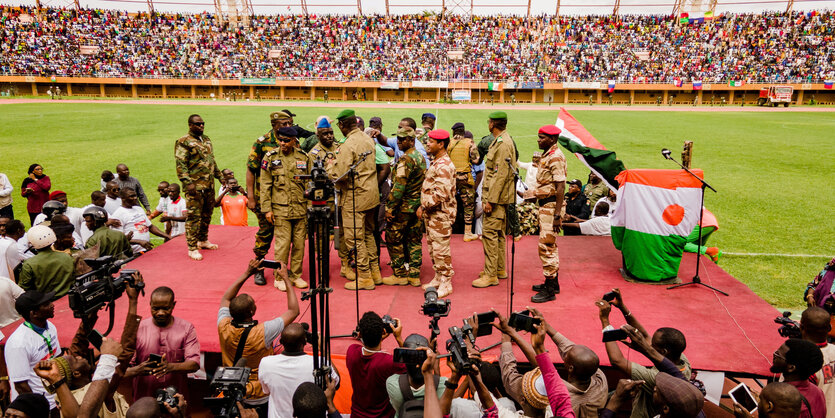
[359,196]
[437,198]
[196,165]
[512,218]
[464,154]
[404,233]
[499,191]
[552,171]
[595,192]
[264,236]
[284,196]
[48,271]
[110,242]
[320,152]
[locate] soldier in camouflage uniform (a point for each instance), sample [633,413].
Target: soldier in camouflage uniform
[262,145]
[283,202]
[464,154]
[498,194]
[404,230]
[427,120]
[196,166]
[437,208]
[550,194]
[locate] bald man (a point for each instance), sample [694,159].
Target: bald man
[815,326]
[280,375]
[779,400]
[148,407]
[124,180]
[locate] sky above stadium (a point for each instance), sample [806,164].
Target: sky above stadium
[482,7]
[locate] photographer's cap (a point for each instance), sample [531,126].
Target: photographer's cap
[40,236]
[30,300]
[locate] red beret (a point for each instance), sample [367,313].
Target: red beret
[55,194]
[550,130]
[439,134]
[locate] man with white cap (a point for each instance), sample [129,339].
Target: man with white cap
[49,270]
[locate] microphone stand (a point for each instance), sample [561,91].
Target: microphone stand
[512,238]
[696,279]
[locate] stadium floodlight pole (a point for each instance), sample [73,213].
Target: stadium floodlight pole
[696,279]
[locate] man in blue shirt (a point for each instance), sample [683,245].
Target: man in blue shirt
[392,142]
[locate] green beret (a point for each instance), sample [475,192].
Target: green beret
[279,115]
[498,115]
[406,132]
[345,114]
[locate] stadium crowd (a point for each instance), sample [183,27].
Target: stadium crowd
[767,47]
[155,355]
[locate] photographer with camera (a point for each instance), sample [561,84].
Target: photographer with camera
[407,390]
[369,367]
[171,406]
[241,336]
[167,349]
[670,342]
[470,368]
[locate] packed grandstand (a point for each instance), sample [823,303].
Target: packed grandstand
[763,47]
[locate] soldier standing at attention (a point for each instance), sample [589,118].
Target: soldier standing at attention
[283,203]
[498,191]
[464,155]
[359,197]
[437,207]
[262,145]
[195,160]
[404,230]
[549,194]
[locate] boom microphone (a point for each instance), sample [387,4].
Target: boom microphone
[666,153]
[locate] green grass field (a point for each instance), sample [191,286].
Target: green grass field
[774,171]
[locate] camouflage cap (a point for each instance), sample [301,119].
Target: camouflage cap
[406,132]
[279,116]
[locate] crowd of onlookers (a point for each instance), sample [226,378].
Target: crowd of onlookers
[767,47]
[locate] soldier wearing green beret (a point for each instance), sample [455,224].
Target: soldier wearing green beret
[262,145]
[498,191]
[360,197]
[404,229]
[196,167]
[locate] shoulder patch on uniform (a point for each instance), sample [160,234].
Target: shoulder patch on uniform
[301,165]
[265,165]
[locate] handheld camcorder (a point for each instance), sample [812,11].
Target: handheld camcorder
[457,349]
[91,291]
[229,387]
[166,397]
[788,327]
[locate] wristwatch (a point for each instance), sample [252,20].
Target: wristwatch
[53,387]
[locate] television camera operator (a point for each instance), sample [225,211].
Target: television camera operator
[241,336]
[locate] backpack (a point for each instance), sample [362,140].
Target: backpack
[412,407]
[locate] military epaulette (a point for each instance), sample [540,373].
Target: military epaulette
[264,137]
[271,152]
[301,151]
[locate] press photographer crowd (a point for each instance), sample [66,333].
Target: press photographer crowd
[367,192]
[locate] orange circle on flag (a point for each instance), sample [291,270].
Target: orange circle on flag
[673,214]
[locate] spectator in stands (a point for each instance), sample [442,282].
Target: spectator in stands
[599,224]
[236,326]
[670,342]
[797,360]
[34,340]
[369,367]
[135,223]
[173,339]
[110,241]
[595,189]
[113,198]
[6,189]
[35,189]
[124,180]
[49,270]
[232,203]
[176,211]
[576,205]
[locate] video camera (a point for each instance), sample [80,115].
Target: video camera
[435,308]
[457,348]
[789,328]
[320,186]
[229,387]
[93,290]
[165,396]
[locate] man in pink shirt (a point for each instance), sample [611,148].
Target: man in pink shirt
[171,338]
[369,367]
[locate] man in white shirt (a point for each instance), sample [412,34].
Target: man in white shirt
[611,200]
[530,169]
[135,223]
[6,197]
[74,215]
[10,255]
[176,211]
[598,225]
[280,375]
[36,339]
[162,205]
[112,200]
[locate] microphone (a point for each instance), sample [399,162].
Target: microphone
[666,153]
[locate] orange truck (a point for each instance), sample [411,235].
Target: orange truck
[775,96]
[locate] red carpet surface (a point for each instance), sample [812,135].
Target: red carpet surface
[734,333]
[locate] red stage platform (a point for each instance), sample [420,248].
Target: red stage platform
[734,334]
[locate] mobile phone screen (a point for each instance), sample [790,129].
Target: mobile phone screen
[614,335]
[409,356]
[95,339]
[741,396]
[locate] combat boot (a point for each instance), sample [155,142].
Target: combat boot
[446,287]
[395,280]
[468,233]
[538,287]
[363,282]
[486,281]
[502,274]
[299,283]
[547,293]
[435,282]
[375,274]
[414,276]
[347,272]
[280,285]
